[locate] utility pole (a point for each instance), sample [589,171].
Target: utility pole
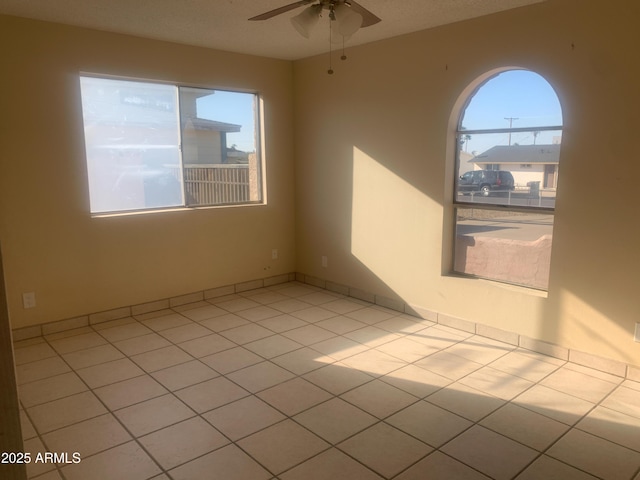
[511,119]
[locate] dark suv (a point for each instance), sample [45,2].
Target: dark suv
[485,182]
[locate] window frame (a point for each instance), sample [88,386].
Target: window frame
[456,202]
[258,136]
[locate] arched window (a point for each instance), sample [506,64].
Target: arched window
[509,137]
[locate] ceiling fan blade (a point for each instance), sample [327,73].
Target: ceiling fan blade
[278,11]
[368,18]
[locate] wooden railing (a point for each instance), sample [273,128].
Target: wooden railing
[216,184]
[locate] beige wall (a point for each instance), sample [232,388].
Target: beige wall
[374,170]
[76,264]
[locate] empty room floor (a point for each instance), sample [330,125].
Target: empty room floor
[292,382]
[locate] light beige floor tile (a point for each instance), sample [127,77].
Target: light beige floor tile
[52,475]
[579,384]
[125,462]
[624,400]
[429,423]
[66,411]
[340,324]
[613,426]
[166,321]
[554,404]
[204,312]
[97,326]
[227,463]
[309,334]
[68,333]
[416,381]
[122,394]
[320,298]
[272,346]
[525,366]
[243,417]
[496,383]
[188,302]
[596,455]
[296,290]
[246,333]
[290,305]
[77,342]
[525,426]
[331,464]
[142,344]
[35,447]
[231,360]
[302,361]
[294,396]
[161,358]
[92,356]
[372,336]
[224,322]
[385,449]
[465,401]
[151,415]
[237,304]
[338,378]
[438,466]
[449,365]
[260,376]
[41,369]
[266,297]
[342,306]
[313,314]
[481,349]
[406,349]
[211,394]
[256,314]
[110,372]
[339,348]
[208,345]
[182,442]
[403,325]
[282,322]
[282,446]
[335,420]
[184,333]
[371,315]
[378,398]
[438,336]
[548,468]
[124,332]
[491,453]
[26,426]
[184,375]
[42,391]
[374,362]
[32,353]
[88,437]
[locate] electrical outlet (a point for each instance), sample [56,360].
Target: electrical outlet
[29,300]
[636,337]
[274,254]
[325,261]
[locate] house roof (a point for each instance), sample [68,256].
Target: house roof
[520,154]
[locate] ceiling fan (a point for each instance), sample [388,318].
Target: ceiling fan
[347,16]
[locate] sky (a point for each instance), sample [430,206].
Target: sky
[232,107]
[522,95]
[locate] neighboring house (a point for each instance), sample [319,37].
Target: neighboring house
[527,163]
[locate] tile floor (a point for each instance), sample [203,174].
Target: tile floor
[295,383]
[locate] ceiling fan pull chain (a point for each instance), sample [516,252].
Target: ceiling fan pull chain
[330,71]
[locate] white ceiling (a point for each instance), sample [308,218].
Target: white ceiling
[222,24]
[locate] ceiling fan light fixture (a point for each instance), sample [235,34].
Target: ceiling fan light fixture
[347,22]
[306,20]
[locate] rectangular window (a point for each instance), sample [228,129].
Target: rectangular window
[156,146]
